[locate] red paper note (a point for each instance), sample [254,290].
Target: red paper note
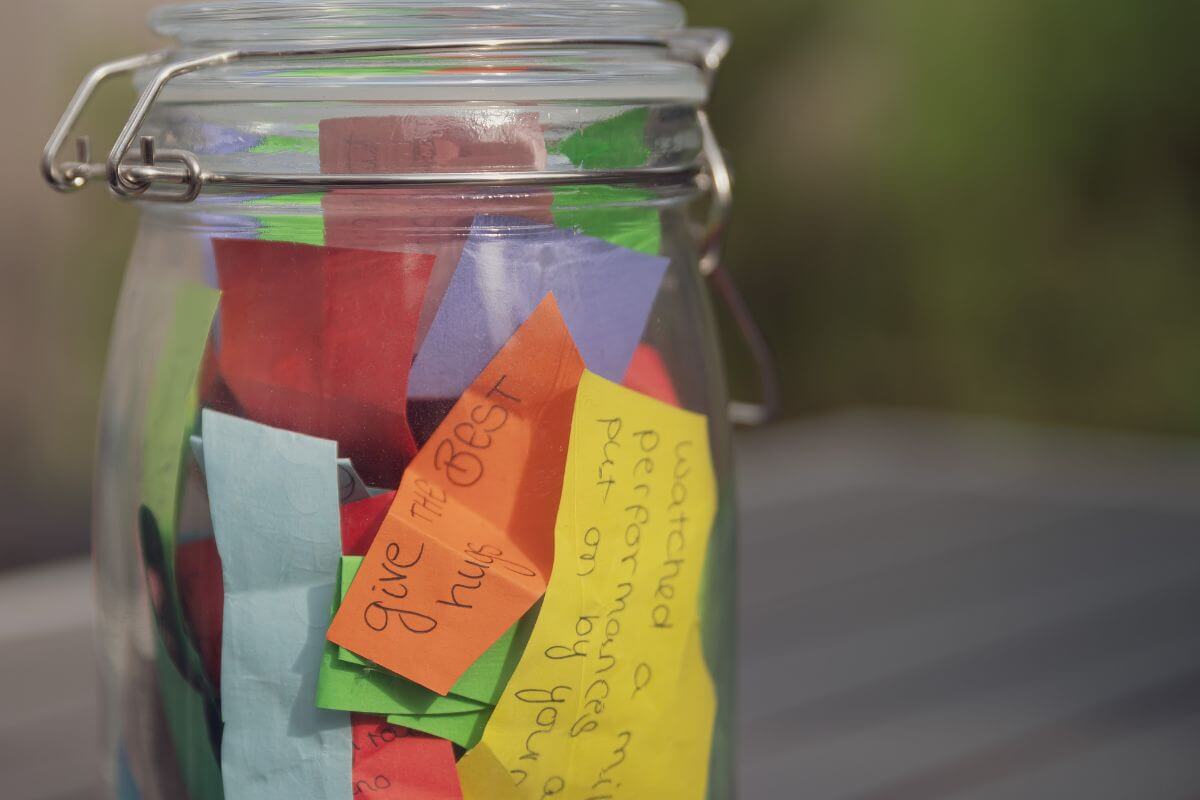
[319,340]
[468,544]
[361,521]
[648,374]
[394,763]
[202,596]
[432,144]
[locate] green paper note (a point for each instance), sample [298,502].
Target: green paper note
[170,417]
[597,211]
[298,227]
[274,144]
[616,143]
[348,687]
[465,730]
[187,720]
[484,682]
[171,411]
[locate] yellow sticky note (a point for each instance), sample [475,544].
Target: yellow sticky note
[612,698]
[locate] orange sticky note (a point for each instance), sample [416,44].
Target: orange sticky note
[468,545]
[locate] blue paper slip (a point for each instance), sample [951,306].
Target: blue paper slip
[508,266]
[275,513]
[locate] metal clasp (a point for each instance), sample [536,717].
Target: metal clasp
[74,175]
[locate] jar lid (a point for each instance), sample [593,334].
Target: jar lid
[271,23]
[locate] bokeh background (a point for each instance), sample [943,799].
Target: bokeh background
[985,207]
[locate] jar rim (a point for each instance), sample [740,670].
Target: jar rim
[243,22]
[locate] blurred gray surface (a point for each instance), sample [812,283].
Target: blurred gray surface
[932,608]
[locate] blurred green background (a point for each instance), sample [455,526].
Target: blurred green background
[985,207]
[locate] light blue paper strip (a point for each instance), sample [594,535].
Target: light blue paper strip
[274,499]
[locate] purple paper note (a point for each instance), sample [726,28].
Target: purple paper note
[508,266]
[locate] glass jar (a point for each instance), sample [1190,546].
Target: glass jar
[414,473]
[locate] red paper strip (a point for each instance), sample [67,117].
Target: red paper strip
[361,521]
[320,340]
[648,374]
[394,763]
[431,143]
[202,595]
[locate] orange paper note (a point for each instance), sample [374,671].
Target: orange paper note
[468,545]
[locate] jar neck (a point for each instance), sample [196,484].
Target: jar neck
[297,24]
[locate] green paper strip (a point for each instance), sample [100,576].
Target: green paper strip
[346,687]
[186,718]
[616,143]
[465,730]
[299,228]
[171,411]
[299,199]
[274,144]
[596,211]
[170,418]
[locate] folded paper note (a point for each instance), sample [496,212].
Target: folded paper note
[613,690]
[605,294]
[320,340]
[467,547]
[275,515]
[485,680]
[394,763]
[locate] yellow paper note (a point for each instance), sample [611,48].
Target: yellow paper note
[612,698]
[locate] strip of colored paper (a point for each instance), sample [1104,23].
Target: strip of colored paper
[467,547]
[274,499]
[605,294]
[394,763]
[613,690]
[320,340]
[170,414]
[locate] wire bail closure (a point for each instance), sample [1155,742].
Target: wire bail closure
[172,175]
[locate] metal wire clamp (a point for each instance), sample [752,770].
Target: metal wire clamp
[178,176]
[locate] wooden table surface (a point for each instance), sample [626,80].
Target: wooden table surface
[931,608]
